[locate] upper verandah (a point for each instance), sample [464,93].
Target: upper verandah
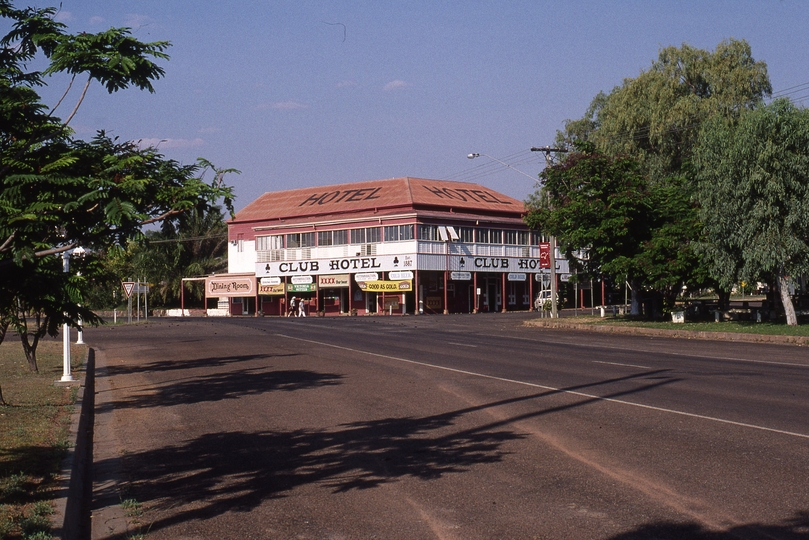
[396,193]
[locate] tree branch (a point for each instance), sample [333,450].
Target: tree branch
[56,250]
[81,99]
[161,217]
[8,241]
[69,86]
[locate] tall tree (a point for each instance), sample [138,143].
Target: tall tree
[194,246]
[655,117]
[753,184]
[58,192]
[596,204]
[628,228]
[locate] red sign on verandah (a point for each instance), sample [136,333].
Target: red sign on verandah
[544,254]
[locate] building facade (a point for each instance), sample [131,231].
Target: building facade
[396,246]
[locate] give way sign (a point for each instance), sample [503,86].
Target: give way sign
[128,287]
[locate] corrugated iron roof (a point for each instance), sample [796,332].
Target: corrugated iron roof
[400,194]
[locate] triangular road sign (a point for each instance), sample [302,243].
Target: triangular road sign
[128,286]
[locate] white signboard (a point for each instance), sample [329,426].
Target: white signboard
[366,276]
[333,281]
[516,276]
[302,280]
[271,281]
[406,274]
[375,263]
[460,276]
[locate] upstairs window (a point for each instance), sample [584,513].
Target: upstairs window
[396,233]
[466,235]
[428,232]
[267,243]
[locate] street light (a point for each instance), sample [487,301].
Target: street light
[553,263]
[66,376]
[79,252]
[547,150]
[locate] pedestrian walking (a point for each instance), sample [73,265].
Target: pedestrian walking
[293,307]
[301,310]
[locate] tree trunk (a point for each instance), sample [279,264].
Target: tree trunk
[2,401]
[30,348]
[637,297]
[786,300]
[724,298]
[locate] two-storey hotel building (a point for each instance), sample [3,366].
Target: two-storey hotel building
[396,246]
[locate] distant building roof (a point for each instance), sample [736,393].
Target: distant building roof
[379,196]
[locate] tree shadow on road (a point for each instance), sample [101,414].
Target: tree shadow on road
[171,364]
[237,471]
[232,384]
[795,528]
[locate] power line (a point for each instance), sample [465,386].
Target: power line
[524,157]
[191,239]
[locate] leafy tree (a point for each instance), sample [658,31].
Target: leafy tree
[753,184]
[656,116]
[57,192]
[628,228]
[195,245]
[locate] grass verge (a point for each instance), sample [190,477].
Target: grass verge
[741,327]
[34,430]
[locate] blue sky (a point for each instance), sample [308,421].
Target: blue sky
[305,93]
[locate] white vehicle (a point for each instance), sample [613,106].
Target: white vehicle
[541,298]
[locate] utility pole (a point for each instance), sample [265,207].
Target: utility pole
[548,150]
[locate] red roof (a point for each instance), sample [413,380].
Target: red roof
[399,194]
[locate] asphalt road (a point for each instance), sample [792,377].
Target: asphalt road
[445,427]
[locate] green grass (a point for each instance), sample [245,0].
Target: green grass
[132,508]
[746,327]
[34,428]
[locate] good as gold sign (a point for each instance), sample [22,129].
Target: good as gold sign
[386,286]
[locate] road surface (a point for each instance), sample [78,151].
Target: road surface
[444,427]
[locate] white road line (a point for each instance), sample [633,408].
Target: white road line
[553,389]
[619,364]
[668,353]
[462,344]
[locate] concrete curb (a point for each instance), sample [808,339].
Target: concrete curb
[660,332]
[71,517]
